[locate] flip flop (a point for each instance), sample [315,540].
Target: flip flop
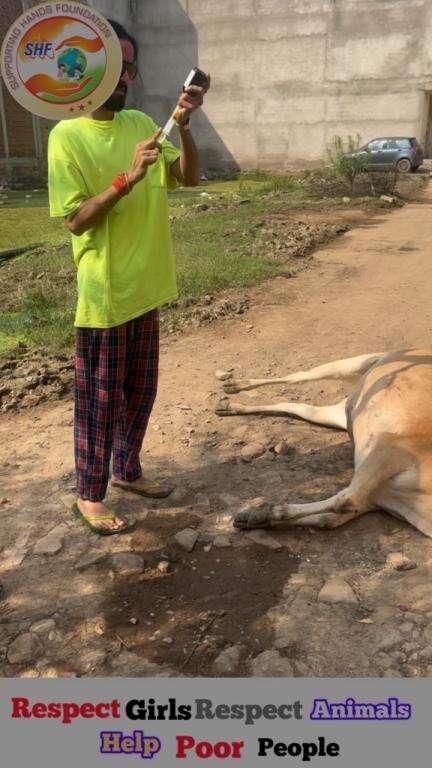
[152,489]
[87,520]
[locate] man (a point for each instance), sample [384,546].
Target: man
[109,179]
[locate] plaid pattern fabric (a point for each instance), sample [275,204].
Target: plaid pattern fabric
[116,372]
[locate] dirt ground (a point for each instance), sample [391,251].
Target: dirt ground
[142,604]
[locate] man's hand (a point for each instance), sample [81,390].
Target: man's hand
[190,100]
[146,153]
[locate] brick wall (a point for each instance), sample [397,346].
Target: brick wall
[18,121]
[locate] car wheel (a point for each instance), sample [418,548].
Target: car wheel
[403,165]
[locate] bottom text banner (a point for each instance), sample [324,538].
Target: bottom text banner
[124,721]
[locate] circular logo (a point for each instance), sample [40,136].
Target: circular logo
[61,60]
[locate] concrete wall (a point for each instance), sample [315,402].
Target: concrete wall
[287,75]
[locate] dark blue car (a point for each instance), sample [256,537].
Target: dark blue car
[403,154]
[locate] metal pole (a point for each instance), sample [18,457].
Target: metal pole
[3,121]
[37,136]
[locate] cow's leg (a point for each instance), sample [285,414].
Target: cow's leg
[288,514]
[348,369]
[326,519]
[391,456]
[328,415]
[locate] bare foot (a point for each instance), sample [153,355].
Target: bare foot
[100,516]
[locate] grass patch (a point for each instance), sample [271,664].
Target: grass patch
[215,250]
[11,331]
[27,226]
[212,252]
[37,297]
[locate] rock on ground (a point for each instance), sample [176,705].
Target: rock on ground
[90,660]
[224,375]
[128,664]
[91,558]
[163,566]
[25,647]
[271,664]
[263,538]
[400,562]
[252,451]
[187,538]
[95,626]
[52,543]
[228,660]
[43,627]
[337,590]
[127,563]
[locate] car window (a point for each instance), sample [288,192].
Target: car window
[391,144]
[375,144]
[403,143]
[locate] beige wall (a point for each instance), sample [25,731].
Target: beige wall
[287,75]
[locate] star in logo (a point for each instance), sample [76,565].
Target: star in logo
[71,109]
[81,107]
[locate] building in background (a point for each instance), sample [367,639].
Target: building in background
[287,75]
[22,145]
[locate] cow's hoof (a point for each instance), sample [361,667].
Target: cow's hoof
[233,387]
[225,408]
[247,520]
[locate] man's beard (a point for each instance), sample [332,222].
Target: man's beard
[117,101]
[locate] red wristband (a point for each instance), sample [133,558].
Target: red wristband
[121,184]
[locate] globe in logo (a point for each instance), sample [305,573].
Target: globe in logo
[71,64]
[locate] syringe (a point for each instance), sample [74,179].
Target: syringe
[195,77]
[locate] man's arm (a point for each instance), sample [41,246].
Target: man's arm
[93,211]
[186,169]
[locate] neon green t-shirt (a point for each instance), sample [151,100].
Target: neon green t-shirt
[125,264]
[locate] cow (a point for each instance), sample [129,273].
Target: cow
[388,416]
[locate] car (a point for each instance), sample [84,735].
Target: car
[402,153]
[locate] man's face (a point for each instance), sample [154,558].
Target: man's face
[117,100]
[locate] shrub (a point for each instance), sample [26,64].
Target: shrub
[344,162]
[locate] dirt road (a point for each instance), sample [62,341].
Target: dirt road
[74,605]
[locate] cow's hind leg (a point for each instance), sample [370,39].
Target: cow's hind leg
[390,457]
[327,415]
[326,519]
[318,513]
[348,369]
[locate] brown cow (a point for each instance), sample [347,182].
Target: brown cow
[388,416]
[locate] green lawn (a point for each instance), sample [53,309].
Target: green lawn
[213,250]
[29,226]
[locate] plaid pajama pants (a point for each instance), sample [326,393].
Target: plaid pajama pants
[116,372]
